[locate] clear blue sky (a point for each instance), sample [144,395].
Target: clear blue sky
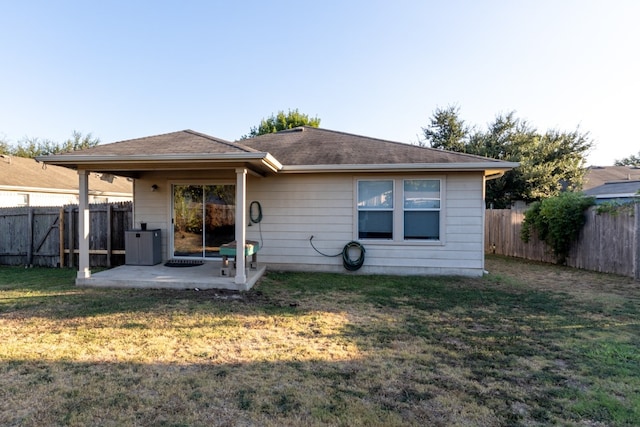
[127,69]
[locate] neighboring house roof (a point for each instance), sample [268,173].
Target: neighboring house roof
[598,175]
[615,190]
[303,149]
[23,174]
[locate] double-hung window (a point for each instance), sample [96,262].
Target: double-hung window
[375,209]
[421,209]
[410,214]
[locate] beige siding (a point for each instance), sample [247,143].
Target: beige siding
[153,207]
[296,207]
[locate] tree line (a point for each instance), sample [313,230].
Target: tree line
[34,147]
[550,162]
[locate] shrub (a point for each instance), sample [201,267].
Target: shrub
[557,221]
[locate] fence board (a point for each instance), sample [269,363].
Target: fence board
[608,243]
[42,236]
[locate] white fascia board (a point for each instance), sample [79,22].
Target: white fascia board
[402,167]
[616,196]
[138,158]
[272,162]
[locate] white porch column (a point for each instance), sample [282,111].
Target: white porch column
[83,225]
[241,224]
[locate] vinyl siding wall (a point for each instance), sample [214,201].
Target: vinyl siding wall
[154,207]
[296,207]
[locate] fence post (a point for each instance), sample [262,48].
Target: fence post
[30,237]
[109,232]
[71,235]
[636,267]
[61,236]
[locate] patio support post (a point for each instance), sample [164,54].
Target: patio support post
[83,225]
[241,226]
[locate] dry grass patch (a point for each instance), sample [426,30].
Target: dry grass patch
[528,344]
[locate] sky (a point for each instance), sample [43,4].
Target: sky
[128,69]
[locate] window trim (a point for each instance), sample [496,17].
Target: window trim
[438,209]
[398,210]
[391,209]
[26,200]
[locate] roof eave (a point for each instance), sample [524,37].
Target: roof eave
[489,168]
[65,159]
[77,161]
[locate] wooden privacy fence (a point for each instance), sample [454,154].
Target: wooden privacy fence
[48,236]
[609,243]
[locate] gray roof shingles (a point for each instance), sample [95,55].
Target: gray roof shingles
[302,146]
[620,187]
[314,146]
[599,175]
[182,142]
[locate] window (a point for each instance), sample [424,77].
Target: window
[23,200]
[412,214]
[421,209]
[375,209]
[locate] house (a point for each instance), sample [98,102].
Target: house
[616,192]
[619,184]
[599,175]
[26,182]
[302,193]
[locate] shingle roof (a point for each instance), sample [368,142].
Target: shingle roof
[314,146]
[617,187]
[21,172]
[300,149]
[182,142]
[598,175]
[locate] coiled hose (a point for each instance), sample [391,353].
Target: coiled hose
[347,262]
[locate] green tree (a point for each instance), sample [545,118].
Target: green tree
[446,130]
[282,121]
[5,148]
[632,160]
[550,162]
[33,147]
[76,142]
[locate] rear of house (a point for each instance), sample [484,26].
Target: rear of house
[303,195]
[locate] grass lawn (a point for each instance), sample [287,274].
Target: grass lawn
[528,344]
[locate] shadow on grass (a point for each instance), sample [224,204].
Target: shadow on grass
[431,351]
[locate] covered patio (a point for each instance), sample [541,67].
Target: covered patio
[204,276]
[161,167]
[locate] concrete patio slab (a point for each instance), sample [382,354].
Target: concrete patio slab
[205,276]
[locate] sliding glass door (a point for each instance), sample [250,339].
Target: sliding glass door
[203,219]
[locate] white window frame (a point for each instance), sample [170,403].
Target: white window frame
[438,209]
[398,210]
[170,213]
[365,209]
[24,199]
